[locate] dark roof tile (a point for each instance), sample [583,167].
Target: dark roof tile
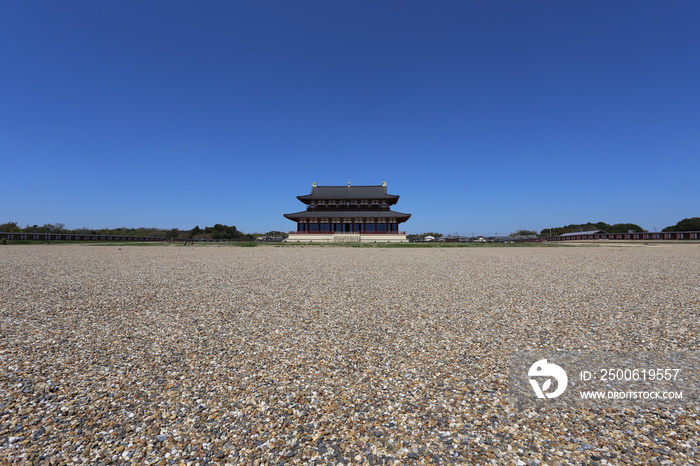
[348,192]
[348,214]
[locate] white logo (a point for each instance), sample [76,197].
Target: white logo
[542,368]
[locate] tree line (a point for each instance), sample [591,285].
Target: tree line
[687,224]
[218,231]
[231,233]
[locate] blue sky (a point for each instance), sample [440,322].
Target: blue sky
[484,117]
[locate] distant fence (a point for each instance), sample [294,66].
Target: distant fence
[664,236]
[75,237]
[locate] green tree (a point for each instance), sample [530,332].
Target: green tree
[625,227]
[576,228]
[687,224]
[10,227]
[220,231]
[524,233]
[220,234]
[56,228]
[276,233]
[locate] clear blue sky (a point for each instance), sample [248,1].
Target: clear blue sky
[483,116]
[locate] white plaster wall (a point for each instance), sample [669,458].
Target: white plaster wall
[309,238]
[383,238]
[328,238]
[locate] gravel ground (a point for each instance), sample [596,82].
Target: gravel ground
[327,355]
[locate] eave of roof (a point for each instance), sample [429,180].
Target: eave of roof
[348,192]
[347,214]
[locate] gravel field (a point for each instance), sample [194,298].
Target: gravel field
[327,355]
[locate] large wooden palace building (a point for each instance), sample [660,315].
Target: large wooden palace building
[348,213]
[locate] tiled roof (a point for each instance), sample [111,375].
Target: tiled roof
[348,214]
[574,233]
[348,192]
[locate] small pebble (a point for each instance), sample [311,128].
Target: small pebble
[330,355]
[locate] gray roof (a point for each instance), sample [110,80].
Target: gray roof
[574,233]
[348,192]
[348,214]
